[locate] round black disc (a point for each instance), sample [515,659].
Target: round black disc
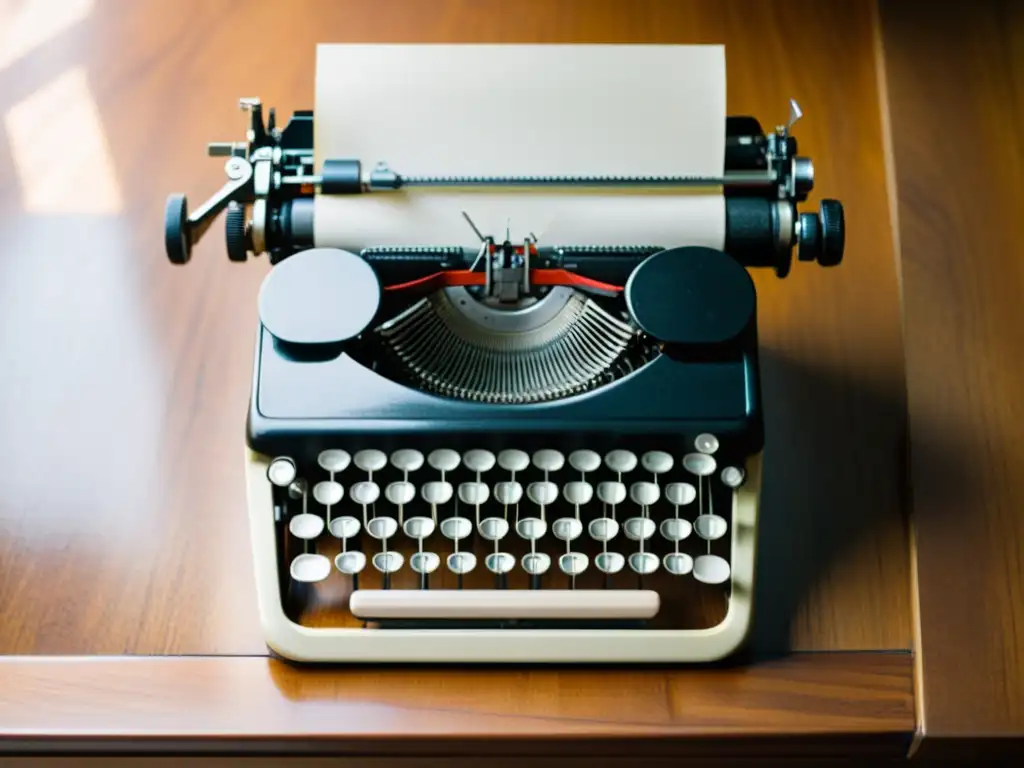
[691,295]
[319,296]
[176,239]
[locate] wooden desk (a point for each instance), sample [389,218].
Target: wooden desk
[122,522]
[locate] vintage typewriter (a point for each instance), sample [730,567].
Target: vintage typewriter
[512,450]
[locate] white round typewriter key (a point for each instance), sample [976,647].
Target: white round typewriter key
[382,527]
[512,460]
[370,460]
[444,460]
[711,569]
[573,563]
[328,492]
[388,562]
[333,460]
[400,493]
[706,443]
[310,568]
[680,494]
[567,528]
[494,528]
[418,527]
[675,529]
[345,527]
[620,461]
[508,492]
[281,471]
[499,562]
[456,527]
[350,563]
[611,493]
[478,460]
[585,461]
[436,492]
[364,492]
[531,528]
[461,562]
[306,527]
[535,563]
[643,493]
[424,562]
[603,529]
[639,528]
[699,464]
[542,493]
[407,460]
[643,562]
[609,562]
[710,527]
[733,477]
[548,460]
[657,462]
[677,563]
[578,493]
[474,494]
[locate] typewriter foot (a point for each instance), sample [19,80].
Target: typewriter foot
[176,237]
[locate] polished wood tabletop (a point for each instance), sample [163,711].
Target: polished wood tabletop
[124,546]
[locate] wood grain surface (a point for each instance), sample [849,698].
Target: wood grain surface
[124,384]
[956,87]
[830,703]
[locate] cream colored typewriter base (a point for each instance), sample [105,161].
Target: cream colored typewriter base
[357,645]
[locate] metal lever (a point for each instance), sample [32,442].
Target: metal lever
[182,230]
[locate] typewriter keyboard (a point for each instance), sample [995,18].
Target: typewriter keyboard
[505,536]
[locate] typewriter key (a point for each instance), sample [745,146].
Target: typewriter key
[310,568]
[639,528]
[365,493]
[370,460]
[456,528]
[407,460]
[333,460]
[461,563]
[620,461]
[382,528]
[513,461]
[418,527]
[603,529]
[508,492]
[424,562]
[542,493]
[643,563]
[474,494]
[645,494]
[388,562]
[436,492]
[531,528]
[710,527]
[444,460]
[494,528]
[675,529]
[567,528]
[706,443]
[573,563]
[328,492]
[578,493]
[400,493]
[499,563]
[609,562]
[281,471]
[345,527]
[306,527]
[677,563]
[536,563]
[350,563]
[548,460]
[680,494]
[478,461]
[711,569]
[657,462]
[699,464]
[611,493]
[733,477]
[584,461]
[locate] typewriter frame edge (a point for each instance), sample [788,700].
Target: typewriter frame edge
[335,645]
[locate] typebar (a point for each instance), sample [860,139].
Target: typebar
[571,604]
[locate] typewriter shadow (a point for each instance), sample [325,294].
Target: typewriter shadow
[832,530]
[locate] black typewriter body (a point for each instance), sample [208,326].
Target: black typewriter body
[496,454]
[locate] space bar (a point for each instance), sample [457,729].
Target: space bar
[607,604]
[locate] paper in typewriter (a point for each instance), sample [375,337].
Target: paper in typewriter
[523,110]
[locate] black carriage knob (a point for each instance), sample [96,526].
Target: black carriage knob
[239,239]
[823,236]
[177,242]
